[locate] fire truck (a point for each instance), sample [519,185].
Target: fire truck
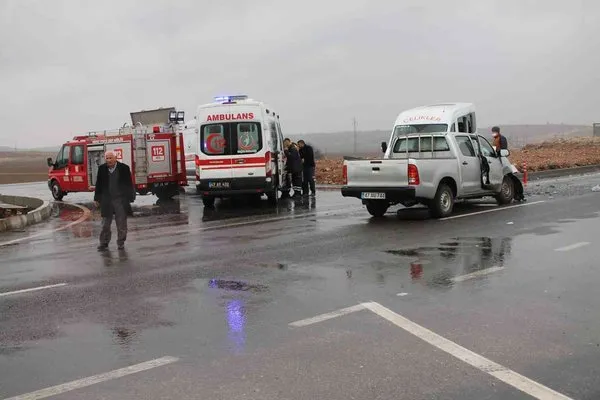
[152,147]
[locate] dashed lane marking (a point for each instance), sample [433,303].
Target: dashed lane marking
[492,210]
[92,380]
[573,246]
[35,289]
[476,274]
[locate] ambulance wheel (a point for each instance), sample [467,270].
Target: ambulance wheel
[507,191]
[57,192]
[143,192]
[208,201]
[377,208]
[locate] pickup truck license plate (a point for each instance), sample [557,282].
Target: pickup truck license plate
[218,185]
[372,195]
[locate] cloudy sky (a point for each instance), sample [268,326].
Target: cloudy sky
[73,66]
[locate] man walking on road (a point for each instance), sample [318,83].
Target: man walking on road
[308,167]
[114,193]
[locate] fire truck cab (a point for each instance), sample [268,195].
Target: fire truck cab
[240,149]
[154,154]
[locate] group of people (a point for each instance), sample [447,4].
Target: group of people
[299,169]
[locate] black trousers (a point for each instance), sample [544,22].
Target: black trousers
[120,216]
[308,179]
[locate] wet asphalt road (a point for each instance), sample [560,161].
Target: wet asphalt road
[217,290]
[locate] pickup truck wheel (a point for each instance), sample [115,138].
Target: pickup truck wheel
[57,192]
[507,191]
[377,208]
[443,203]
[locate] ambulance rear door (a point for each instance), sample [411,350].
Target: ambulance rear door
[249,149]
[214,154]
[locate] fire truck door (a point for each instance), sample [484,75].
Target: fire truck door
[77,170]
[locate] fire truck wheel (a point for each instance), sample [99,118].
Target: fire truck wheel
[143,192]
[208,201]
[57,192]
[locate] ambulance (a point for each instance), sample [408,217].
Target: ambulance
[240,150]
[154,153]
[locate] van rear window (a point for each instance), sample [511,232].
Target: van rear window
[232,138]
[439,144]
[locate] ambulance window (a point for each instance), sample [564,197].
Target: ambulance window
[77,155]
[248,138]
[273,129]
[214,141]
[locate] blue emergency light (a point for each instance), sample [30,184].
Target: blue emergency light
[227,99]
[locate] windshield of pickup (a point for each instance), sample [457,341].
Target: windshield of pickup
[401,130]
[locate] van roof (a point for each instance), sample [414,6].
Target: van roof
[443,113]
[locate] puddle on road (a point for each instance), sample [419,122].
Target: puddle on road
[438,265]
[237,286]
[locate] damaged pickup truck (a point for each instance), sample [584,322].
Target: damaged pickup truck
[435,157]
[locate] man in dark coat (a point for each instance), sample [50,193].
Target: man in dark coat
[294,166]
[307,155]
[114,193]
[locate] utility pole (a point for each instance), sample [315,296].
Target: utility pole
[354,124]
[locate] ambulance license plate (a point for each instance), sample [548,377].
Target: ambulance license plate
[372,195]
[218,185]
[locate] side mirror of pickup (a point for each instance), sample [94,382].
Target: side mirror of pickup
[49,161]
[504,153]
[384,146]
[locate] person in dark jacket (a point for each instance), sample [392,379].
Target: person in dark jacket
[501,143]
[307,155]
[294,166]
[114,194]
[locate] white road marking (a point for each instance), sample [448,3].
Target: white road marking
[492,210]
[35,289]
[325,317]
[86,214]
[476,274]
[402,294]
[498,371]
[572,247]
[92,380]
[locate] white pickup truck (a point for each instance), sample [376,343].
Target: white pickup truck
[435,157]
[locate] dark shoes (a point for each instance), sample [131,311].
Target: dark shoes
[102,247]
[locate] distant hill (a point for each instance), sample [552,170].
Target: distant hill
[369,142]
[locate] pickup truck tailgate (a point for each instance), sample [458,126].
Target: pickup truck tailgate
[377,173]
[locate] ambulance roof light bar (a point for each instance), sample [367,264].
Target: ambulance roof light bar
[230,99]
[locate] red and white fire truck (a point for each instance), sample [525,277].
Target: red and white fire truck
[153,151]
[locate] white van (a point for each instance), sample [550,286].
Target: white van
[240,149]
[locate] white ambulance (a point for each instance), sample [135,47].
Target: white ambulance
[240,149]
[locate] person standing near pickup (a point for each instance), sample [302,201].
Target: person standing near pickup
[307,155]
[293,168]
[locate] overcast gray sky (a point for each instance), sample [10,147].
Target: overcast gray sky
[73,66]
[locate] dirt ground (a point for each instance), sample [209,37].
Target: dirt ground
[20,167]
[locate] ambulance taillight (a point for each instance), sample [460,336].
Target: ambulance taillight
[268,165]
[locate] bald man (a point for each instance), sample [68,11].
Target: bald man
[114,193]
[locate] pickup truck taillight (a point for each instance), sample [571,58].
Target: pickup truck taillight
[413,174]
[345,173]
